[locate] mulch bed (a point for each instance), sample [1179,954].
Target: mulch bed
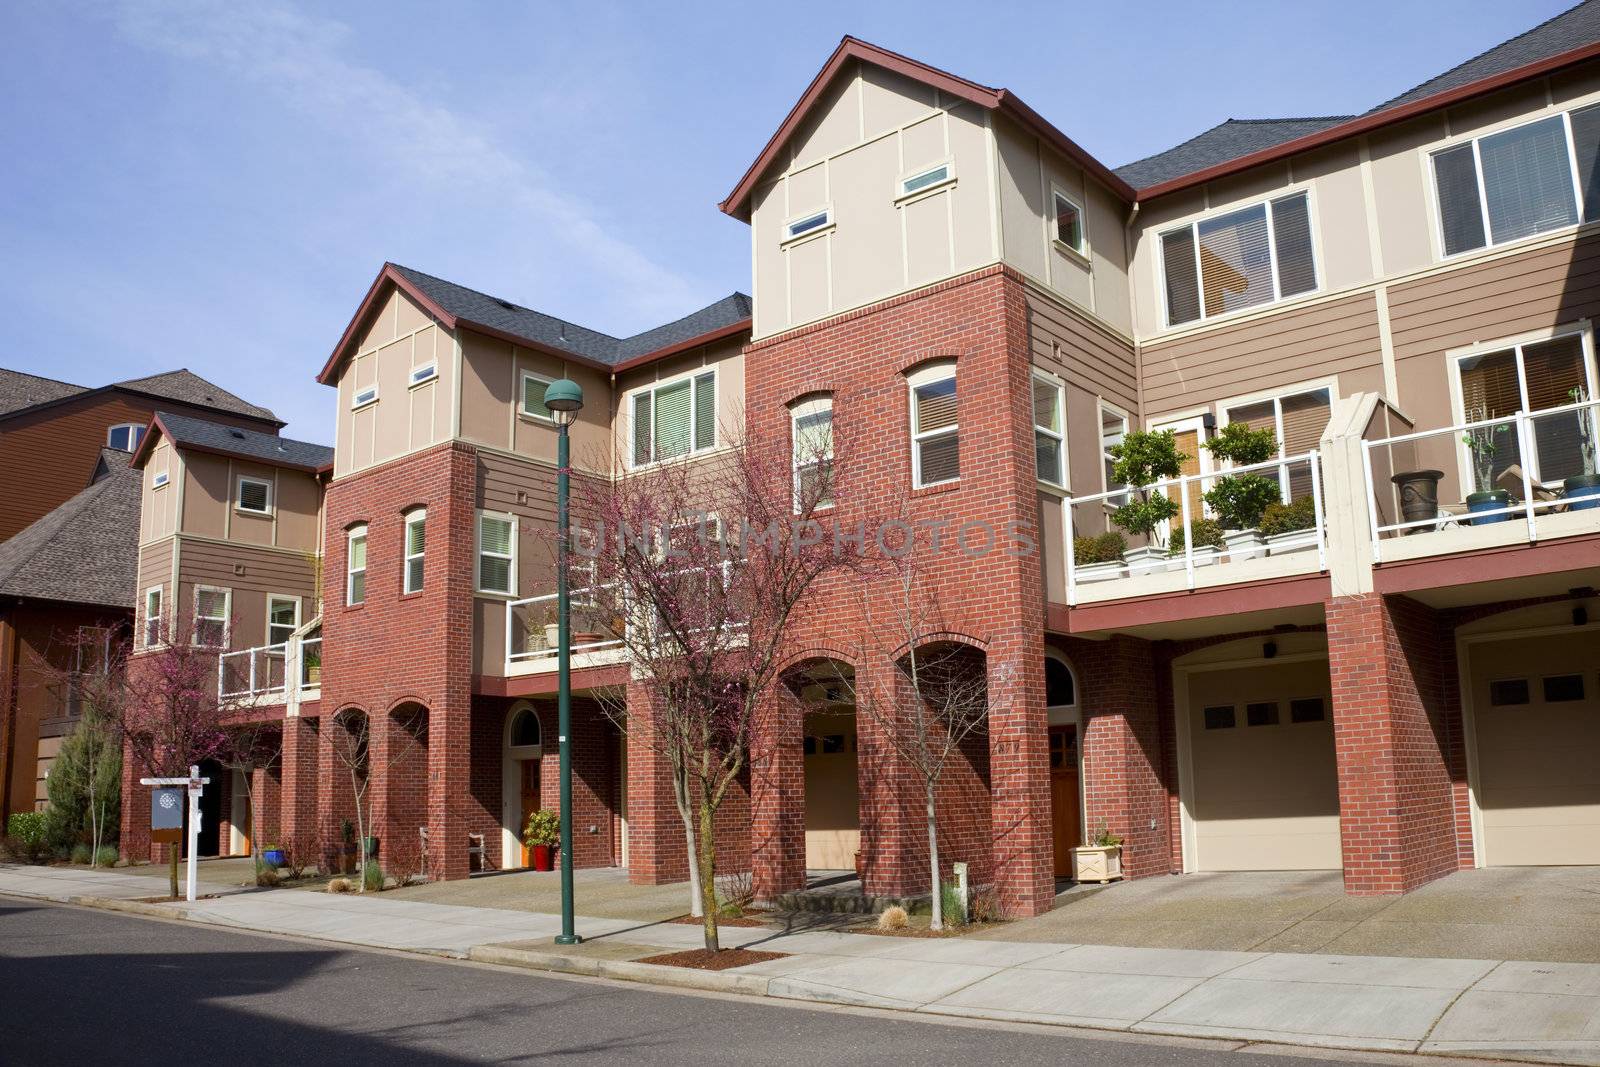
[742,923]
[923,931]
[701,960]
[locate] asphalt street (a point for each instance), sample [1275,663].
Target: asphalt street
[91,987]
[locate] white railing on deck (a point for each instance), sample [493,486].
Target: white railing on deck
[1526,460]
[1178,489]
[264,670]
[533,615]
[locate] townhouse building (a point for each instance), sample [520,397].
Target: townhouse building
[1401,681]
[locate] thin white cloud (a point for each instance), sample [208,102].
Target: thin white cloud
[300,58]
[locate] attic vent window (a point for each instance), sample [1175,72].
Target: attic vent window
[425,373]
[929,178]
[364,396]
[806,225]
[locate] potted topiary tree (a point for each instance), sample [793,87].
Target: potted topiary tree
[1239,499]
[1143,458]
[1483,444]
[542,833]
[1098,558]
[1582,491]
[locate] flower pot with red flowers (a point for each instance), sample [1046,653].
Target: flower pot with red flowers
[541,835]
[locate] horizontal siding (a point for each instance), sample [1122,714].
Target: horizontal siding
[1090,358]
[264,570]
[1335,337]
[155,566]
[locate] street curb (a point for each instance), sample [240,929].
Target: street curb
[132,907]
[624,970]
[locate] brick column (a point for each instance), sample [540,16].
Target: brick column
[657,853]
[1124,786]
[777,798]
[134,838]
[298,781]
[1397,738]
[1019,770]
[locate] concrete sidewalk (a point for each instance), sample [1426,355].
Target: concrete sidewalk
[1548,1012]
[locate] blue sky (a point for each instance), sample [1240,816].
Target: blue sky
[214,185]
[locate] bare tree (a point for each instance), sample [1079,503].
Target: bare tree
[352,747]
[700,568]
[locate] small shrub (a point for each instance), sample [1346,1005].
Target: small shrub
[952,908]
[544,828]
[266,875]
[1207,532]
[1287,518]
[1143,458]
[1104,838]
[340,885]
[1099,548]
[893,918]
[28,832]
[81,853]
[735,892]
[985,907]
[372,876]
[106,857]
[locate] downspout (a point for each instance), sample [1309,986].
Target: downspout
[1133,314]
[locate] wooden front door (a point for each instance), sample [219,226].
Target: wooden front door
[530,802]
[1064,795]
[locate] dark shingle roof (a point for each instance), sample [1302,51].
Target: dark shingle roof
[189,387]
[551,332]
[1571,29]
[268,448]
[1226,141]
[86,551]
[19,391]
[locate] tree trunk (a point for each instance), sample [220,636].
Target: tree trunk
[708,872]
[172,867]
[691,855]
[933,858]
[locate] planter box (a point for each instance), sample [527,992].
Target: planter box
[1100,572]
[1204,556]
[1245,544]
[1146,560]
[1293,541]
[1092,863]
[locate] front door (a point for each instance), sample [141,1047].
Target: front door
[1189,435]
[1064,811]
[530,802]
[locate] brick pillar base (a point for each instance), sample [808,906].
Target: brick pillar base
[1019,770]
[1397,736]
[777,799]
[297,779]
[399,789]
[657,852]
[134,834]
[449,762]
[1125,788]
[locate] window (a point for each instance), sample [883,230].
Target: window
[935,452]
[1297,421]
[815,222]
[1508,692]
[1069,224]
[525,730]
[1241,259]
[497,563]
[1563,688]
[152,617]
[1529,377]
[1219,718]
[159,480]
[928,179]
[1113,428]
[355,585]
[533,387]
[1308,709]
[1262,714]
[211,617]
[416,540]
[125,436]
[1519,182]
[254,495]
[811,439]
[1049,430]
[675,418]
[365,395]
[1060,691]
[283,618]
[425,373]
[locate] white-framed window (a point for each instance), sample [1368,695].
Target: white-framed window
[125,436]
[673,418]
[531,396]
[1529,179]
[1296,418]
[154,630]
[283,618]
[809,223]
[1066,225]
[367,394]
[1493,381]
[1241,258]
[935,445]
[416,542]
[355,566]
[159,479]
[211,616]
[1049,429]
[926,178]
[811,446]
[497,553]
[1113,428]
[253,495]
[425,373]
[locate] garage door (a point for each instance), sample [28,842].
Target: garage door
[1537,714]
[1264,792]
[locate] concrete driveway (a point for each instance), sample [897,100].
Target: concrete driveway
[1524,913]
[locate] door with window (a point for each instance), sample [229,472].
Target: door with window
[1528,377]
[1189,435]
[1297,421]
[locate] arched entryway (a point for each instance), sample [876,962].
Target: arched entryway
[1066,789]
[829,744]
[522,748]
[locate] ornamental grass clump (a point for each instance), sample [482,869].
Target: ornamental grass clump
[892,919]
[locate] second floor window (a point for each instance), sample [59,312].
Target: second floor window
[1530,377]
[1297,420]
[935,446]
[254,495]
[1113,428]
[355,583]
[152,617]
[1238,260]
[1069,223]
[674,418]
[1049,433]
[533,387]
[497,564]
[125,437]
[283,618]
[416,541]
[210,617]
[812,444]
[1518,182]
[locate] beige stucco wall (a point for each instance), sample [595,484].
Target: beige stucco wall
[158,506]
[209,509]
[491,398]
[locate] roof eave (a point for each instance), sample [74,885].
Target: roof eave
[1368,123]
[733,329]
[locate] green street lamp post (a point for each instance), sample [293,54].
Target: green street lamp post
[564,398]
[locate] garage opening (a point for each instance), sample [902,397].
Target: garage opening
[833,795]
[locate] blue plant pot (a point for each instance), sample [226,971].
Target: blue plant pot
[275,857]
[1582,492]
[1491,501]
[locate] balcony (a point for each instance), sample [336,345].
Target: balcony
[1528,473]
[1292,540]
[598,636]
[261,675]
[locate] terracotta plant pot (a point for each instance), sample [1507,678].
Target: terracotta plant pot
[544,857]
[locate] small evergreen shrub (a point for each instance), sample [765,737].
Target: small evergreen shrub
[544,828]
[372,876]
[1239,499]
[1281,518]
[1099,548]
[28,832]
[106,857]
[1207,532]
[952,908]
[81,853]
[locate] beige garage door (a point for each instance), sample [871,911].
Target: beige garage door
[1264,790]
[1536,710]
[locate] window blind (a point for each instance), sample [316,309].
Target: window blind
[673,418]
[494,554]
[938,455]
[1291,237]
[253,496]
[1553,369]
[1455,175]
[533,397]
[705,411]
[641,429]
[1586,143]
[1305,416]
[1527,180]
[1489,390]
[1235,260]
[1183,292]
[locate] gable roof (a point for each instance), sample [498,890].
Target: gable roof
[203,436]
[85,551]
[737,202]
[1222,142]
[456,305]
[21,392]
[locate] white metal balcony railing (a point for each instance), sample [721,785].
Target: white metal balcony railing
[1298,476]
[1527,456]
[262,671]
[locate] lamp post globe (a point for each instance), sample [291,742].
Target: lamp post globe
[564,399]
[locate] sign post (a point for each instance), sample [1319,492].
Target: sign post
[166,815]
